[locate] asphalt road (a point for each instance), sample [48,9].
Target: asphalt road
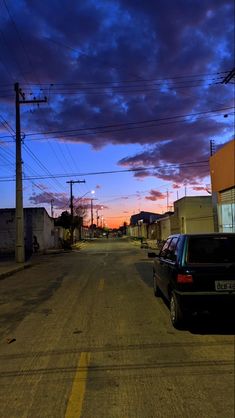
[83,336]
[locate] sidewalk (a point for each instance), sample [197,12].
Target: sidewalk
[9,267]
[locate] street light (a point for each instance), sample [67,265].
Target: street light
[80,198]
[97,215]
[92,214]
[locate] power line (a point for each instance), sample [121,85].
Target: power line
[85,134]
[137,80]
[121,92]
[51,145]
[143,88]
[14,59]
[124,84]
[77,130]
[35,158]
[19,37]
[116,84]
[50,194]
[146,90]
[7,126]
[192,164]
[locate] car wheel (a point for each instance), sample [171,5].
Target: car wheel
[176,312]
[156,289]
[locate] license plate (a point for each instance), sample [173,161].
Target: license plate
[225,285]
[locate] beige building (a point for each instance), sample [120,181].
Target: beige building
[222,169]
[193,214]
[166,226]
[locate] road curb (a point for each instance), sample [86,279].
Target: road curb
[14,270]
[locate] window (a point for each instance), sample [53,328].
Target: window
[169,249]
[211,249]
[164,249]
[172,249]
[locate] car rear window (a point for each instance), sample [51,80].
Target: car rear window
[211,249]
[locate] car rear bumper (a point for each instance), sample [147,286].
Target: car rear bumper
[206,300]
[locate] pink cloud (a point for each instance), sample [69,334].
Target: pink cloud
[155,195]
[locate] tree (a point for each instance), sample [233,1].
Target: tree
[64,220]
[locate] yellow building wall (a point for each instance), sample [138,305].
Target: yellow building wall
[222,167]
[194,214]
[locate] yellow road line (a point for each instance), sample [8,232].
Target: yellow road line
[101,284]
[74,406]
[121,326]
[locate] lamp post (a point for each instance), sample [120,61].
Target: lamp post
[92,217]
[97,215]
[80,198]
[91,213]
[71,182]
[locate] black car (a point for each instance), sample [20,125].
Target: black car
[196,273]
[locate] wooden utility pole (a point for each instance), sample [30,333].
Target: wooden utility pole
[52,212]
[71,182]
[19,213]
[91,213]
[92,219]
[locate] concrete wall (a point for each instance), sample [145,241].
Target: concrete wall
[165,224]
[36,222]
[194,214]
[48,231]
[7,230]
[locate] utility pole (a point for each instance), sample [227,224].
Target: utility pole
[71,182]
[91,213]
[19,213]
[97,218]
[52,200]
[92,218]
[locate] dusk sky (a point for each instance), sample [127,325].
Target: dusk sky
[134,93]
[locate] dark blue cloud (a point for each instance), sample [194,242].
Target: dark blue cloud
[179,44]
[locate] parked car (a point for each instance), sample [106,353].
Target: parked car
[195,273]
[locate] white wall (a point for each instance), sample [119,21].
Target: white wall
[36,222]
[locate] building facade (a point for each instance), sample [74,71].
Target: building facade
[193,214]
[144,218]
[222,170]
[37,223]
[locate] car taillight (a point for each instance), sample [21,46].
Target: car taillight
[184,278]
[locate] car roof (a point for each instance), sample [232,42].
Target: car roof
[204,234]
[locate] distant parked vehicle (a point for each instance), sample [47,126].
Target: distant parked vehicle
[195,273]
